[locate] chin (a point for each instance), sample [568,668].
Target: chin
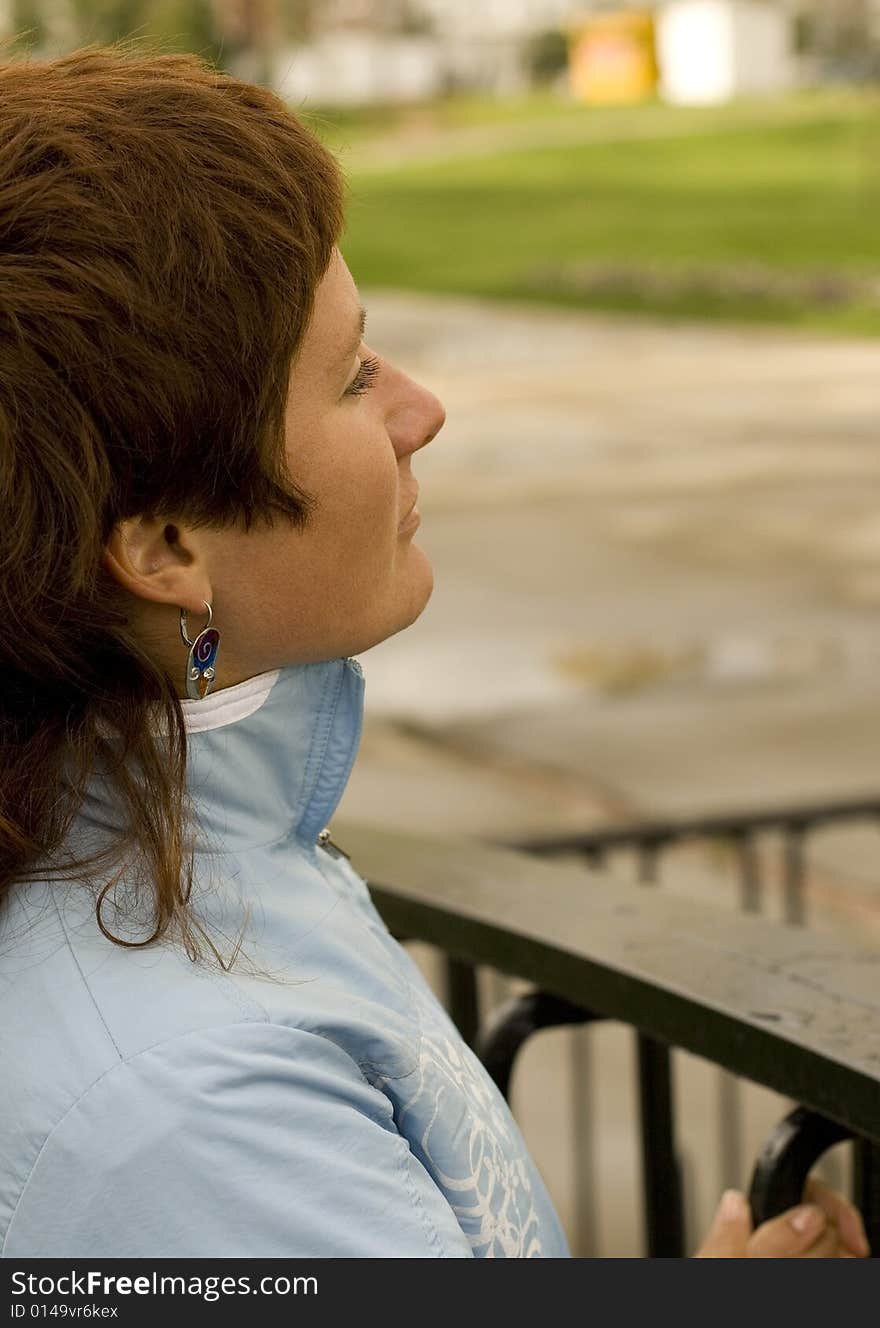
[409,607]
[423,586]
[403,602]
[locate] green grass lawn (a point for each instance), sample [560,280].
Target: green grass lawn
[753,211]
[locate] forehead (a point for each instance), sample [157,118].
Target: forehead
[336,312]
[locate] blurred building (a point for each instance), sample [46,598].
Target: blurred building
[358,67]
[356,51]
[707,50]
[483,44]
[396,50]
[612,57]
[838,38]
[710,51]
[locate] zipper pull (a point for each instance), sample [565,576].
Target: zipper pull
[327,844]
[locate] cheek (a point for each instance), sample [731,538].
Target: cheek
[352,470]
[369,498]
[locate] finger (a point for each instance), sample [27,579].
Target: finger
[730,1230]
[790,1235]
[847,1218]
[828,1246]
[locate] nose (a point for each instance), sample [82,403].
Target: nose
[439,418]
[417,423]
[432,413]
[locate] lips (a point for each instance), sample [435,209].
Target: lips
[406,516]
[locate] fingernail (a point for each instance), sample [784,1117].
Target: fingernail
[731,1208]
[807,1220]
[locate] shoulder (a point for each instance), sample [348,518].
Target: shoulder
[242,1140]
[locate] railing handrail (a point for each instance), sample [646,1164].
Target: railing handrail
[786,1008]
[656,830]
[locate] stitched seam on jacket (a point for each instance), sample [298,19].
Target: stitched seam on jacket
[320,741]
[162,1042]
[420,1037]
[224,984]
[370,1071]
[314,763]
[73,955]
[368,1067]
[124,1060]
[432,1233]
[253,1011]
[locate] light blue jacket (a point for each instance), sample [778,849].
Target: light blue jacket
[154,1109]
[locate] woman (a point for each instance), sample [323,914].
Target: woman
[212,1045]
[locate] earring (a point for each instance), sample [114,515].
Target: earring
[202,657]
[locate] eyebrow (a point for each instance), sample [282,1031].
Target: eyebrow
[357,339]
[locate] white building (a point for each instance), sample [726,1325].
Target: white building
[483,42]
[712,50]
[359,54]
[355,68]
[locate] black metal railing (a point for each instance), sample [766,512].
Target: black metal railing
[742,830]
[734,989]
[647,839]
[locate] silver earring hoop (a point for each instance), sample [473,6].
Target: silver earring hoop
[202,658]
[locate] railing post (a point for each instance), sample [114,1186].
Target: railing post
[793,885]
[586,1180]
[729,1093]
[648,851]
[661,1174]
[750,879]
[462,998]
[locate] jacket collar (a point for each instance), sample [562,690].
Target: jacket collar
[267,759]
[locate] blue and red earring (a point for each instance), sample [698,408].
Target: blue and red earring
[201,661]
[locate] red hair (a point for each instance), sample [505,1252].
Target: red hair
[164,228]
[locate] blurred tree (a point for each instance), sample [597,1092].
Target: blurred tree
[837,30]
[180,25]
[105,20]
[176,25]
[412,21]
[546,55]
[238,36]
[26,21]
[299,19]
[250,32]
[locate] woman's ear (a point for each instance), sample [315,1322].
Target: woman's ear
[154,560]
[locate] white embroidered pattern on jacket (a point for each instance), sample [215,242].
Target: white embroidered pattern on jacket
[458,1126]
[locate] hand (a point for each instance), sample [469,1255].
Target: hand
[825,1226]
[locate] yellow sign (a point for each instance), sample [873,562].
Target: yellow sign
[612,59]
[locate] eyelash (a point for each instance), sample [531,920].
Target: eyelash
[365,376]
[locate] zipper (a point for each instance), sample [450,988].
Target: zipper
[326,843]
